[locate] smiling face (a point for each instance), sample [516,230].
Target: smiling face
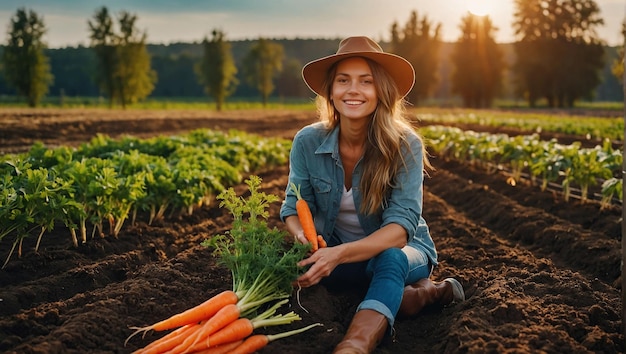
[353,91]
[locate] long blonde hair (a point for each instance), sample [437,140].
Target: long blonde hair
[387,135]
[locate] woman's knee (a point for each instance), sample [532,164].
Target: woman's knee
[392,258]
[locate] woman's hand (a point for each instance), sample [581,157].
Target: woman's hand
[294,228]
[326,259]
[300,238]
[323,262]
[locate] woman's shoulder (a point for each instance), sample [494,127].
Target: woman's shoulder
[412,136]
[313,130]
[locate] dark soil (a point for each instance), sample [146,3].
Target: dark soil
[540,275]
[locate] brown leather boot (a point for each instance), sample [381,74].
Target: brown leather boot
[366,331]
[426,292]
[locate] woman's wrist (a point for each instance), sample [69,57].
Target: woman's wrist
[299,236]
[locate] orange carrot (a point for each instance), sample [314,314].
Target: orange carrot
[321,241]
[306,219]
[221,319]
[221,349]
[169,341]
[170,336]
[243,327]
[193,315]
[252,344]
[259,341]
[236,330]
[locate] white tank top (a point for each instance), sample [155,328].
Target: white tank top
[347,225]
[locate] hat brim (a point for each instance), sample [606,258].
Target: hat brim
[401,71]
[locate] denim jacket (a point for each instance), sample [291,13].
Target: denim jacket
[315,166]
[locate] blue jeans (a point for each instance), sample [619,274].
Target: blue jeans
[384,278]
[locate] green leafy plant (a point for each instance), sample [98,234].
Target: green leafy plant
[571,165]
[263,261]
[108,181]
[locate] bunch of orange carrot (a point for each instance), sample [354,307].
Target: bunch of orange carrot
[263,267]
[224,332]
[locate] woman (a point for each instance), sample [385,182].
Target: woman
[361,171]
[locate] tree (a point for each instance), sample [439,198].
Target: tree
[559,55]
[124,72]
[420,46]
[26,68]
[134,78]
[103,42]
[618,64]
[478,62]
[216,71]
[262,64]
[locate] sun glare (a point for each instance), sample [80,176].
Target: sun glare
[480,7]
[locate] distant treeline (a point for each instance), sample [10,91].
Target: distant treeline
[73,69]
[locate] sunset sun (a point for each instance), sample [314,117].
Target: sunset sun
[480,7]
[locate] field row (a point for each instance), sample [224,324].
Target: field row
[546,162]
[586,127]
[109,181]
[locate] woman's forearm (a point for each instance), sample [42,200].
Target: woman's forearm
[389,236]
[292,223]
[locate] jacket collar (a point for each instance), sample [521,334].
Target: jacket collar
[330,144]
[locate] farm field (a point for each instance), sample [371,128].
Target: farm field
[540,275]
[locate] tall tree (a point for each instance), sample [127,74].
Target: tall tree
[419,42]
[618,64]
[103,42]
[25,66]
[262,64]
[217,71]
[478,62]
[134,77]
[124,70]
[559,54]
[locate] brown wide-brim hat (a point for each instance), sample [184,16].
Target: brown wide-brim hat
[400,70]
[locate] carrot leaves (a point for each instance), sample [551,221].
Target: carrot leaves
[262,260]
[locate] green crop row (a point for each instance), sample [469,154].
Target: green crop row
[544,161]
[585,127]
[106,181]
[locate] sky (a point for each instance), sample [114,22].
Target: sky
[167,21]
